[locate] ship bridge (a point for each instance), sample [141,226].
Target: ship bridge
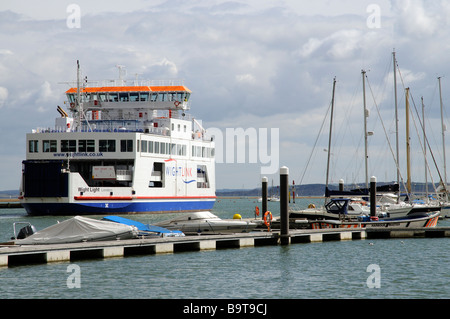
[117,100]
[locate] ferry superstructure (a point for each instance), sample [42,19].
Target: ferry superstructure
[120,149]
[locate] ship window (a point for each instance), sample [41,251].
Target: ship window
[49,146]
[156,147]
[134,96]
[162,97]
[163,148]
[173,150]
[172,96]
[202,177]
[150,146]
[113,97]
[71,98]
[102,97]
[144,146]
[86,146]
[107,145]
[144,97]
[186,98]
[124,97]
[33,146]
[154,97]
[157,177]
[68,145]
[180,96]
[126,145]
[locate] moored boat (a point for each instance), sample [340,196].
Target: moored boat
[120,149]
[428,220]
[207,223]
[79,229]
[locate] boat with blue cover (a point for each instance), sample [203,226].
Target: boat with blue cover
[145,229]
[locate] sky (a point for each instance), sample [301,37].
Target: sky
[251,65]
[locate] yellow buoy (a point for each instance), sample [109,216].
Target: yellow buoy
[237,216]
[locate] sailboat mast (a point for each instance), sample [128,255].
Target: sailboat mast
[331,128]
[396,122]
[425,149]
[443,134]
[363,72]
[408,144]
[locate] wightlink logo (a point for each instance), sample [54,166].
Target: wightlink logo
[251,145]
[179,171]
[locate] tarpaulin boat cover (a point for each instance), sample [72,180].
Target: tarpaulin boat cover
[79,229]
[164,232]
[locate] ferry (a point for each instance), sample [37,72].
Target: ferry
[120,149]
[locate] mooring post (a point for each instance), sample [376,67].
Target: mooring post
[284,202]
[341,185]
[264,196]
[373,198]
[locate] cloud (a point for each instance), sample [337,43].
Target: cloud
[249,63]
[417,19]
[3,95]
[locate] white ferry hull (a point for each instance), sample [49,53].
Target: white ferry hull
[118,206]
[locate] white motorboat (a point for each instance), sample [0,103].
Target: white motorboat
[427,220]
[207,223]
[79,229]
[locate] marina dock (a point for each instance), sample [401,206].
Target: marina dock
[279,233]
[15,255]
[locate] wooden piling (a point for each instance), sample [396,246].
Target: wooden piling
[264,196]
[284,202]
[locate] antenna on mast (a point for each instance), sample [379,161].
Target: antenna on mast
[122,73]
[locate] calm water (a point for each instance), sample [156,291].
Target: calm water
[408,268]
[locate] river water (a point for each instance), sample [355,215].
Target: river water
[381,268]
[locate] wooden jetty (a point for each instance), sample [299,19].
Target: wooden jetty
[14,255]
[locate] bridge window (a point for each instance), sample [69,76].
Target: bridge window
[172,96]
[162,97]
[68,145]
[154,97]
[102,97]
[86,146]
[144,96]
[33,146]
[113,97]
[134,96]
[126,145]
[107,145]
[124,97]
[49,146]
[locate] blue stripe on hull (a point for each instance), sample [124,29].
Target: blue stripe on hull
[40,209]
